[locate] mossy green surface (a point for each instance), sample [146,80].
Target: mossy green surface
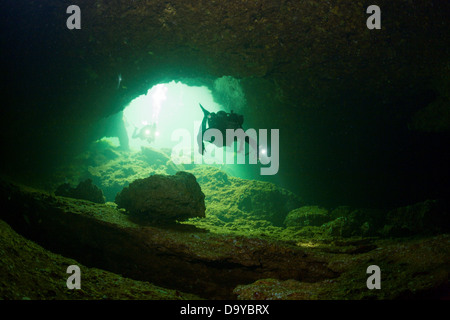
[240,211]
[409,269]
[30,272]
[234,206]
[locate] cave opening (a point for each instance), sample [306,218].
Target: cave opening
[152,120]
[166,107]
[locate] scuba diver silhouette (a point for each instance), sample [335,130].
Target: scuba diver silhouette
[221,121]
[147,132]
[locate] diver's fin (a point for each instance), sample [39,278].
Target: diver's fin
[205,112]
[203,148]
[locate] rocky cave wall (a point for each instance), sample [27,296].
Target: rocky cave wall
[305,60]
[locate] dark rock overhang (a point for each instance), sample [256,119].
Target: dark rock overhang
[57,83]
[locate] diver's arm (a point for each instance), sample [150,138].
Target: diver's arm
[201,131]
[205,112]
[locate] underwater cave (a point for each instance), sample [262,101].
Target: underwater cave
[93,125]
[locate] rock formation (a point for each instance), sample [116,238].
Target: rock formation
[84,190]
[164,198]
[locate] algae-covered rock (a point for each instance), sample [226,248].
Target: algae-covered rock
[164,198]
[230,198]
[179,257]
[112,169]
[85,190]
[158,158]
[204,263]
[307,216]
[349,222]
[38,275]
[428,217]
[414,269]
[339,227]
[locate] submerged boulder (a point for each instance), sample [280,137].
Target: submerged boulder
[85,190]
[230,198]
[354,222]
[428,217]
[307,216]
[164,198]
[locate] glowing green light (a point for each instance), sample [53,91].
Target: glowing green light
[173,106]
[170,106]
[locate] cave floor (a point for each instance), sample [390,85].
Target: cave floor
[41,235]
